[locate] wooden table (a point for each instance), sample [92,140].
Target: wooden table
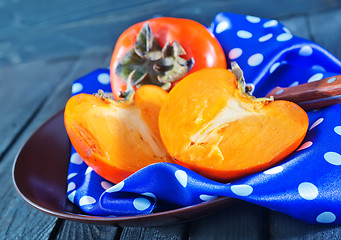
[45,47]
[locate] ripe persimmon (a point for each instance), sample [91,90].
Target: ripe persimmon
[162,51]
[117,138]
[210,125]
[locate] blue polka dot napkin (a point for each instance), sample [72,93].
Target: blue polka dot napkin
[306,185]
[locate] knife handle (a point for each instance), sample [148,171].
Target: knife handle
[312,95]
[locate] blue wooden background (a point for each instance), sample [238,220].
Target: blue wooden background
[46,44]
[40,29]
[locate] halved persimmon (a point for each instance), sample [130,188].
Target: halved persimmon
[210,125]
[117,138]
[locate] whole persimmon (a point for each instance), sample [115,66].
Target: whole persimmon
[209,124]
[162,51]
[117,138]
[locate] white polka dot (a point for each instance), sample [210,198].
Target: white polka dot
[235,53]
[255,59]
[149,194]
[308,190]
[244,34]
[206,198]
[106,185]
[318,68]
[294,84]
[181,176]
[116,188]
[280,91]
[71,175]
[141,203]
[71,186]
[86,200]
[316,123]
[265,37]
[103,78]
[305,145]
[76,159]
[242,190]
[338,130]
[271,23]
[222,26]
[333,158]
[315,77]
[71,196]
[274,170]
[253,19]
[326,217]
[284,37]
[77,87]
[88,170]
[331,80]
[305,51]
[286,30]
[274,67]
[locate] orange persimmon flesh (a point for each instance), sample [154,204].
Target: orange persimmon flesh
[117,138]
[208,124]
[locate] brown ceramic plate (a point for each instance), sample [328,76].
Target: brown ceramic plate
[40,172]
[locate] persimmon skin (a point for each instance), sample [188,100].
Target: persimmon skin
[208,125]
[117,138]
[196,40]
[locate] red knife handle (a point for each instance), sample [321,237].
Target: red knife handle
[312,95]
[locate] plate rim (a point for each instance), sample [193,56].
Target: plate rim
[216,204]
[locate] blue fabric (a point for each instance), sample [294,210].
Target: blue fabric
[306,185]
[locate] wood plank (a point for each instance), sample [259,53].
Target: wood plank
[23,89]
[325,27]
[285,227]
[86,231]
[57,100]
[171,232]
[18,219]
[51,14]
[240,221]
[61,28]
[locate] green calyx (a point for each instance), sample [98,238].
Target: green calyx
[242,86]
[127,96]
[104,95]
[151,63]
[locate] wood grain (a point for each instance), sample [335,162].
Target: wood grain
[61,28]
[73,230]
[172,232]
[18,219]
[22,92]
[325,27]
[285,227]
[241,221]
